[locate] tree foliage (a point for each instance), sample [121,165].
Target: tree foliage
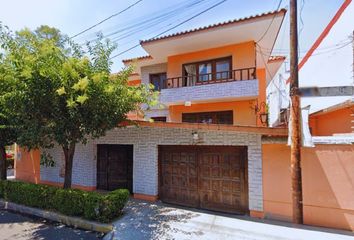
[65,94]
[8,131]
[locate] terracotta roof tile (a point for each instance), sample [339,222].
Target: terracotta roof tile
[213,26]
[137,58]
[276,58]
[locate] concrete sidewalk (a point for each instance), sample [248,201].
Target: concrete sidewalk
[143,220]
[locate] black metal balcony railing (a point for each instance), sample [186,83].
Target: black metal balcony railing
[209,78]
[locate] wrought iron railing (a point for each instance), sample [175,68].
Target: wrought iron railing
[209,78]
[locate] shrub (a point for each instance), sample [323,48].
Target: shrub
[69,201]
[89,205]
[112,205]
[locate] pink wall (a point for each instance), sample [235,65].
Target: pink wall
[339,121]
[328,184]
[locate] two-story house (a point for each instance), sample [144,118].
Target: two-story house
[209,146]
[213,74]
[204,147]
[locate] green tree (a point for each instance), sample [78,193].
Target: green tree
[7,127]
[65,95]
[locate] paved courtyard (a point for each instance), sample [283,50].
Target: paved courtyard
[16,226]
[144,220]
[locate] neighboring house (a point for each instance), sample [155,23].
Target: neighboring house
[327,168]
[208,146]
[335,120]
[328,63]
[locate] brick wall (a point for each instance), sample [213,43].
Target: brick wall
[84,166]
[145,166]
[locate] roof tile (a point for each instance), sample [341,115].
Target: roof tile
[213,26]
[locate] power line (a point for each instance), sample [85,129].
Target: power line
[106,19]
[140,24]
[181,23]
[268,71]
[265,33]
[283,50]
[162,19]
[302,24]
[332,50]
[301,19]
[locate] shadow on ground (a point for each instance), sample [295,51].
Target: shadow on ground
[17,226]
[143,220]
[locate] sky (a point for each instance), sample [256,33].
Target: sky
[73,16]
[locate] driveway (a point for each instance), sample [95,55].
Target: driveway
[143,220]
[19,227]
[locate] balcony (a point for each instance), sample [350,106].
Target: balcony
[216,86]
[209,78]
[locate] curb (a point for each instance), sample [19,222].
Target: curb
[57,217]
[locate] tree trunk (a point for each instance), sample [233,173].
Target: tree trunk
[69,156]
[3,167]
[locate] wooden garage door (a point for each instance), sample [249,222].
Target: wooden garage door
[208,177]
[114,167]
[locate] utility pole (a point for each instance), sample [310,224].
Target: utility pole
[295,160]
[352,38]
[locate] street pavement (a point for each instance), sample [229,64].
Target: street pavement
[19,227]
[143,220]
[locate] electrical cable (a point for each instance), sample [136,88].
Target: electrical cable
[142,23]
[265,33]
[181,23]
[106,19]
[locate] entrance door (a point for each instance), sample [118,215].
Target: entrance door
[207,177]
[115,167]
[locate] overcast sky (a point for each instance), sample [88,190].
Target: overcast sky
[72,16]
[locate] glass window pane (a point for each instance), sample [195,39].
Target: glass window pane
[190,72]
[158,80]
[206,118]
[223,117]
[222,69]
[205,72]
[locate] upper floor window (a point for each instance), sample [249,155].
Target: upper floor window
[159,119]
[216,69]
[222,117]
[158,80]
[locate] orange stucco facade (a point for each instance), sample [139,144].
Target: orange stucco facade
[243,110]
[327,180]
[243,114]
[334,122]
[243,56]
[134,82]
[27,165]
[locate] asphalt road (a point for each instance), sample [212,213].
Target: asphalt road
[16,226]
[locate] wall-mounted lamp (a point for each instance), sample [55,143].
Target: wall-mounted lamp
[264,118]
[195,136]
[262,110]
[187,103]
